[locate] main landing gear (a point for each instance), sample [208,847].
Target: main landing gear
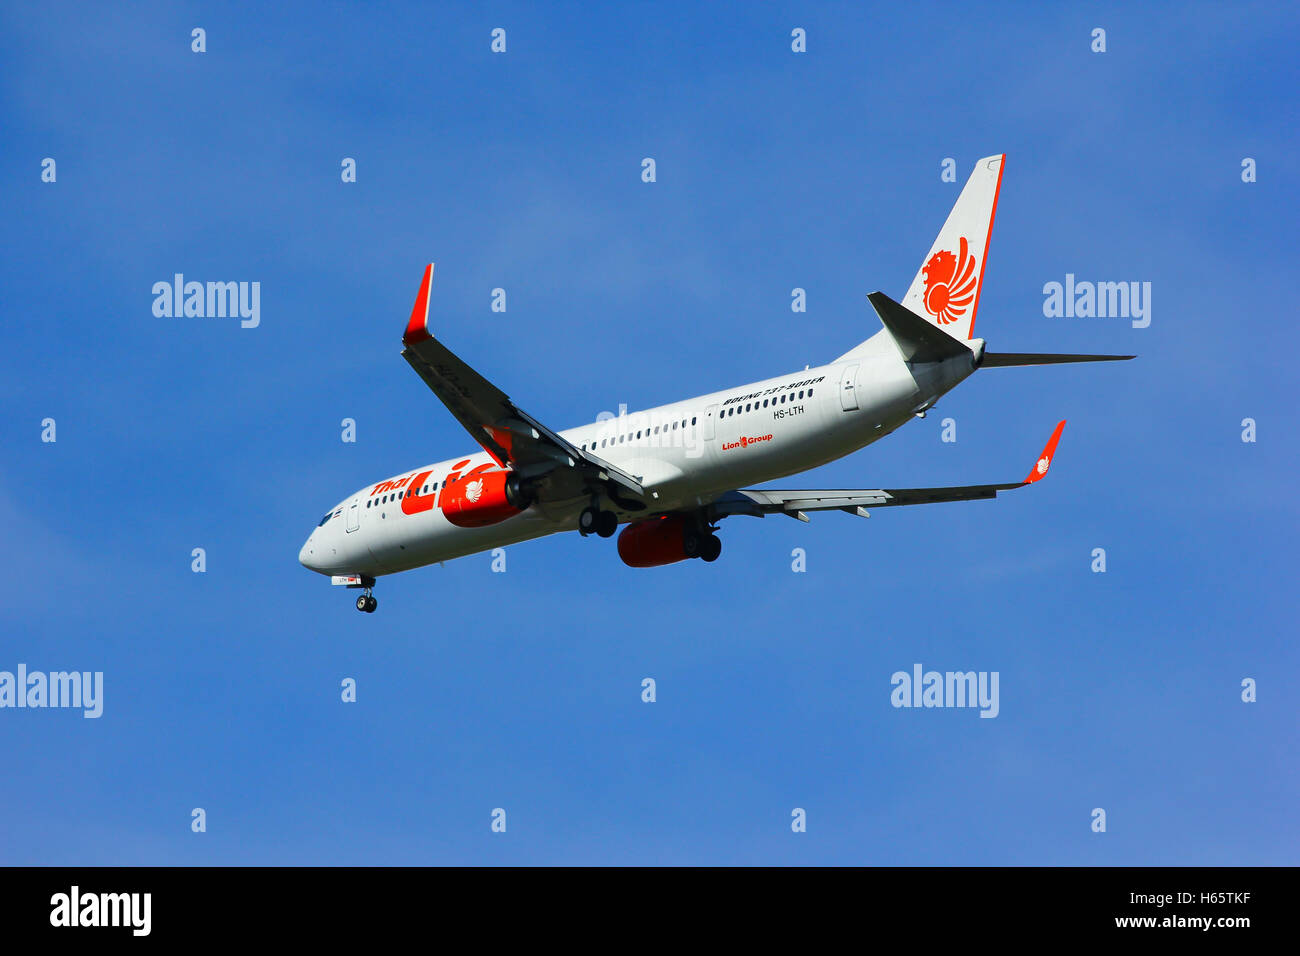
[366,602]
[594,521]
[701,543]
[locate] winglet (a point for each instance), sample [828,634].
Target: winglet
[417,329]
[1045,459]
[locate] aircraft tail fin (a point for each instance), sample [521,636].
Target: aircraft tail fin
[946,290]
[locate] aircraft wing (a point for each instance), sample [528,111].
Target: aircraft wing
[795,503]
[506,432]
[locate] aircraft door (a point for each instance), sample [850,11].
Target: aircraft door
[354,515]
[849,389]
[710,414]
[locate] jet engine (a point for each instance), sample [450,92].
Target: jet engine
[479,499]
[654,541]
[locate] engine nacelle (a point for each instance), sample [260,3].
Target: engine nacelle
[479,499]
[653,542]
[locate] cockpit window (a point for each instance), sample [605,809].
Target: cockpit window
[328,515]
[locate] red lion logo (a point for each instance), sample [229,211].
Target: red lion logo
[949,284]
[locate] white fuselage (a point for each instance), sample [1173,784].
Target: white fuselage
[685,454]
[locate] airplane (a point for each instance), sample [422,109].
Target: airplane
[671,473]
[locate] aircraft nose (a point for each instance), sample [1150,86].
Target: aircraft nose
[305,555]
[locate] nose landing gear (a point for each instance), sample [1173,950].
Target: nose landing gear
[366,602]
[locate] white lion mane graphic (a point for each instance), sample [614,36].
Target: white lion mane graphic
[1042,464]
[474,489]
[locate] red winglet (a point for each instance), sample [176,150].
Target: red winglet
[417,330]
[1045,459]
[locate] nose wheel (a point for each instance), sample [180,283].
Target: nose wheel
[366,602]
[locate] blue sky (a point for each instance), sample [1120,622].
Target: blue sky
[522,690]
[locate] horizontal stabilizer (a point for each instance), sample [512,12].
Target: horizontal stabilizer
[1009,359]
[919,341]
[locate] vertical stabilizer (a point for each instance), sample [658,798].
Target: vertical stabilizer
[947,289]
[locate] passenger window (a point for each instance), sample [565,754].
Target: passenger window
[810,393]
[693,419]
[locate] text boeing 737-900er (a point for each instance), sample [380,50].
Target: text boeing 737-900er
[673,472]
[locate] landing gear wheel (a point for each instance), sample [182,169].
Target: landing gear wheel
[371,604]
[692,543]
[587,521]
[711,548]
[606,523]
[366,603]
